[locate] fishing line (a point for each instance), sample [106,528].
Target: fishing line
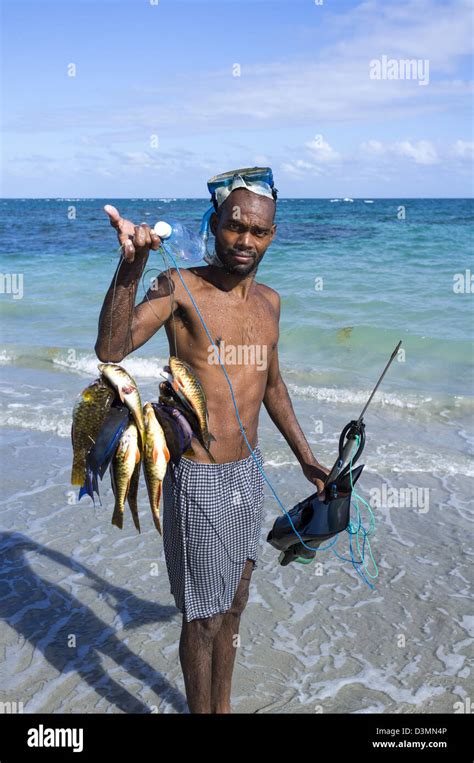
[122,258]
[172,301]
[355,531]
[242,428]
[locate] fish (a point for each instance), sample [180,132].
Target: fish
[186,418]
[127,391]
[133,495]
[171,398]
[176,428]
[155,461]
[102,452]
[187,385]
[122,470]
[90,411]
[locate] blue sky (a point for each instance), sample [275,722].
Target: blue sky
[304,101]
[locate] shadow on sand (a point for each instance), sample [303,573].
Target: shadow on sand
[45,614]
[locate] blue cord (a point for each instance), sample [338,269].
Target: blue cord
[242,429]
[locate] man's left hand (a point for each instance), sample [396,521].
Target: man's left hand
[316,474]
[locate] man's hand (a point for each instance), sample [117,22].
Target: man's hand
[134,239]
[316,473]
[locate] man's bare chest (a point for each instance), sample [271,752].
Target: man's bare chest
[234,322]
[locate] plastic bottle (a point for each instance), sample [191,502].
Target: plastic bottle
[179,240]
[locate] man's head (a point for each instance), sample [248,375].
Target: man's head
[243,226]
[244,229]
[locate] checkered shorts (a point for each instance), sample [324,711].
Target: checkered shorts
[212,518]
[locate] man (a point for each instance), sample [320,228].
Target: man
[212,513]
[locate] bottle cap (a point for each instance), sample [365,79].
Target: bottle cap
[163,230]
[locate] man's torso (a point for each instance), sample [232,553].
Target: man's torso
[247,335]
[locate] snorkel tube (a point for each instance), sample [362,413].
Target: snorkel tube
[210,257]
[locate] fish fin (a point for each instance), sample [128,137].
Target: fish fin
[167,453]
[137,456]
[112,480]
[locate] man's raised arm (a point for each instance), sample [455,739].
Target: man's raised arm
[123,326]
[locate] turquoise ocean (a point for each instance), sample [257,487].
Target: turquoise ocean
[355,277]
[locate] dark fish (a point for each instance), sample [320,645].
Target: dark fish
[169,397]
[102,452]
[90,411]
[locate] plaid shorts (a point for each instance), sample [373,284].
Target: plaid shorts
[212,519]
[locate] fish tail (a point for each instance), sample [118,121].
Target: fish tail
[88,486]
[155,509]
[78,471]
[85,491]
[133,506]
[95,487]
[117,516]
[135,518]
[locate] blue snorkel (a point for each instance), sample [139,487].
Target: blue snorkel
[210,257]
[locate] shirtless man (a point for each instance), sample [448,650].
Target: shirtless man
[240,311]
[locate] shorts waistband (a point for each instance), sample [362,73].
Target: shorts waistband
[256,450]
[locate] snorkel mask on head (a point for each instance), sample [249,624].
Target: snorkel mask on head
[257,180]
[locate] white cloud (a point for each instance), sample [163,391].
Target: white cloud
[464,149]
[422,152]
[374,147]
[321,151]
[372,155]
[299,168]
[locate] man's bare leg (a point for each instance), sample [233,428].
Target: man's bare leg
[224,651]
[195,654]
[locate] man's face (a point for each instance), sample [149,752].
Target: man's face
[244,230]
